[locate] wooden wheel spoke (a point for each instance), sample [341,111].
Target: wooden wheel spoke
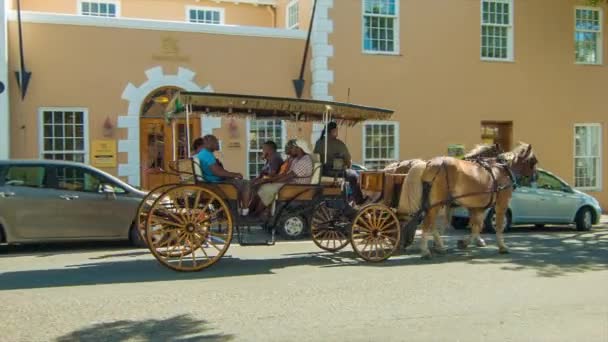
[364,224]
[173,216]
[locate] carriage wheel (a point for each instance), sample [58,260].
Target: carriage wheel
[327,230]
[144,210]
[375,233]
[195,226]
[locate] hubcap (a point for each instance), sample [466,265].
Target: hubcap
[294,226]
[587,219]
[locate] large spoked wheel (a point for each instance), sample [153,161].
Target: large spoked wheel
[146,206]
[328,230]
[189,228]
[375,233]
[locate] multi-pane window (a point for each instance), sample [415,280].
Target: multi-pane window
[293,15]
[380,141]
[64,135]
[588,36]
[587,156]
[261,131]
[99,8]
[497,29]
[204,15]
[380,26]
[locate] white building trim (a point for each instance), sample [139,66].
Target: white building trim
[5,129]
[322,50]
[136,96]
[157,25]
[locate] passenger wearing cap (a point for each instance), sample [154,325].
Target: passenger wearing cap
[337,149]
[299,172]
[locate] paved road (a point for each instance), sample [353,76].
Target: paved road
[552,287]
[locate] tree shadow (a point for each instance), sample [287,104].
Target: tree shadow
[181,328]
[43,250]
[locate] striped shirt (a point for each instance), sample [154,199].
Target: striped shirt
[302,167]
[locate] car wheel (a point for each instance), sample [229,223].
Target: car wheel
[584,219]
[460,223]
[293,227]
[135,238]
[490,221]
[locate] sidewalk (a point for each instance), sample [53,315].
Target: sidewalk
[604,219]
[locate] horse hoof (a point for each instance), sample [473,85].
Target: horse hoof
[440,251]
[481,243]
[461,244]
[503,251]
[426,256]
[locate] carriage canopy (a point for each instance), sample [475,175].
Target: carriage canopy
[265,107]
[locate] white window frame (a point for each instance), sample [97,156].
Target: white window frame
[510,33]
[600,39]
[279,148]
[598,186]
[113,2]
[296,25]
[221,10]
[85,123]
[396,39]
[364,139]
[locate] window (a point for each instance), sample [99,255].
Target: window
[99,8]
[293,15]
[587,156]
[588,36]
[63,134]
[548,182]
[381,26]
[261,131]
[380,144]
[32,176]
[206,15]
[497,29]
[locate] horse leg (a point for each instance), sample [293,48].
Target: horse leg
[475,222]
[438,246]
[500,228]
[427,224]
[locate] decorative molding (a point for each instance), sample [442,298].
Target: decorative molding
[322,50]
[157,25]
[136,96]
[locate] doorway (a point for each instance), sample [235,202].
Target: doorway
[497,132]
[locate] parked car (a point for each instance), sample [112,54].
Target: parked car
[45,200]
[549,200]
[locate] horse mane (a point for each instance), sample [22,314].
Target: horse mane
[479,150]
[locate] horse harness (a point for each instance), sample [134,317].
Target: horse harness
[484,163]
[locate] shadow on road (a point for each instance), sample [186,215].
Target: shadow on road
[181,328]
[549,255]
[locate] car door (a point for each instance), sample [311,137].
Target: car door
[522,202]
[27,205]
[559,202]
[93,213]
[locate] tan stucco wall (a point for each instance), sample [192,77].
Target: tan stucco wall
[441,90]
[241,14]
[90,67]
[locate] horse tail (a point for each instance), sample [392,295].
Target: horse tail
[410,200]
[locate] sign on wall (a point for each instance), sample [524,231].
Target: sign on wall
[456,150]
[103,153]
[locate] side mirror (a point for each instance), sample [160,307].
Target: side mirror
[107,189]
[567,189]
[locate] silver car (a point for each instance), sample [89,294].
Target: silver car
[548,200]
[44,200]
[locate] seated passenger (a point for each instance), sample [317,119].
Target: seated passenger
[299,172]
[273,161]
[337,149]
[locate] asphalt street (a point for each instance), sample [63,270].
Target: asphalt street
[552,287]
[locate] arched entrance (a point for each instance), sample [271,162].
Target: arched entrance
[162,141]
[143,110]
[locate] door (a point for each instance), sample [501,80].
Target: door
[27,204]
[495,132]
[162,143]
[558,204]
[89,212]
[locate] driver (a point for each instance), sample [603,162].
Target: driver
[337,149]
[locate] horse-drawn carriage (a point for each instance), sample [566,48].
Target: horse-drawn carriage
[190,225]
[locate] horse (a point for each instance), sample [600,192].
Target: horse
[475,185]
[478,153]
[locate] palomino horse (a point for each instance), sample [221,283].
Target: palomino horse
[478,153]
[475,185]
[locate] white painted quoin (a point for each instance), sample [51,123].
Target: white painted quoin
[184,79]
[322,50]
[4,98]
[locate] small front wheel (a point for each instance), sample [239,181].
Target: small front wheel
[375,233]
[329,228]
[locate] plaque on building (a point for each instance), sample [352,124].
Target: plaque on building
[169,50]
[103,153]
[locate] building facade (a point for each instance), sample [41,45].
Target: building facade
[456,72]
